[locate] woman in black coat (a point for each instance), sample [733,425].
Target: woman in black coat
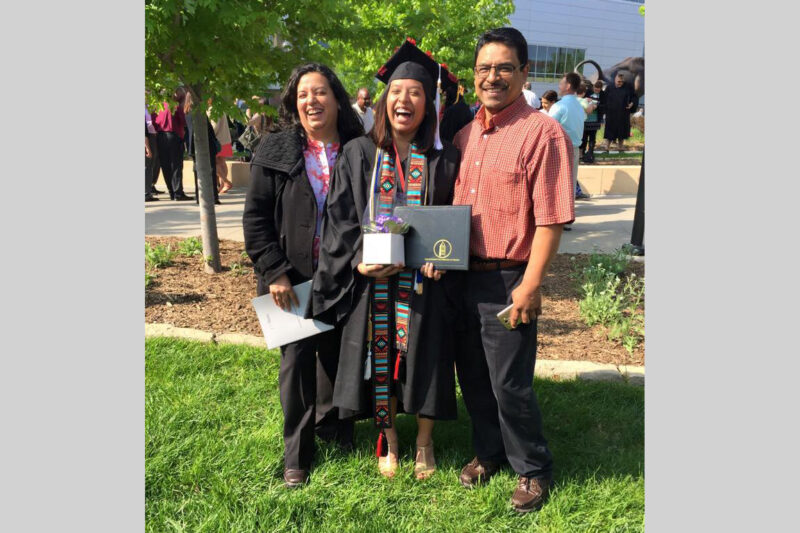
[289,181]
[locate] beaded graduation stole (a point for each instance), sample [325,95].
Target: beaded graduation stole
[381,344]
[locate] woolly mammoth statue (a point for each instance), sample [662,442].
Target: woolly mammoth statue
[632,68]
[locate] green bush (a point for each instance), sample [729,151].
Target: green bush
[158,256]
[190,247]
[148,279]
[607,301]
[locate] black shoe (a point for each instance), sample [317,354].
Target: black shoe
[567,227]
[150,198]
[153,190]
[217,202]
[183,198]
[582,196]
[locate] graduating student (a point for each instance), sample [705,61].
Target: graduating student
[397,352]
[620,103]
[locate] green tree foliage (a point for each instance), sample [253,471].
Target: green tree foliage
[229,49]
[449,29]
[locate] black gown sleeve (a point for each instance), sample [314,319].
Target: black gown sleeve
[340,250]
[261,237]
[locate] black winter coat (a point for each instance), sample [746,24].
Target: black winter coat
[280,212]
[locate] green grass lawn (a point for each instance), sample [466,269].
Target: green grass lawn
[213,458]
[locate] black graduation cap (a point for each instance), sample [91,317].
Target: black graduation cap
[409,62]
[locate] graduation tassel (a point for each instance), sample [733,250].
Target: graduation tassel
[397,366]
[368,366]
[418,282]
[379,449]
[438,140]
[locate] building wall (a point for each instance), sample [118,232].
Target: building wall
[609,30]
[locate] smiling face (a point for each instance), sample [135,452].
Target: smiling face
[495,89]
[405,107]
[316,106]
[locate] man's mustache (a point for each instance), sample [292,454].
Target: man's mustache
[499,85]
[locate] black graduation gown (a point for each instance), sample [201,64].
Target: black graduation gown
[341,294]
[618,117]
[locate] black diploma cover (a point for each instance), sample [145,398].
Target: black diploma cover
[437,234]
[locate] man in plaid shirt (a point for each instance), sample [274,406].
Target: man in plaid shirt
[516,174]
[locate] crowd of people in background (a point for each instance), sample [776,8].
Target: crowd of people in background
[168,134]
[169,138]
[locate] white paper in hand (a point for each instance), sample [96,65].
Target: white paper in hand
[281,327]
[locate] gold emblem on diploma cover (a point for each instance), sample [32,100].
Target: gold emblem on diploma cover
[442,249]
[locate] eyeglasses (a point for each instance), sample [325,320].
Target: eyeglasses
[504,70]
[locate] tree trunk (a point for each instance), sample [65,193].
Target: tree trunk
[205,194]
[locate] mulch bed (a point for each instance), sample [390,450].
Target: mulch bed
[185,296]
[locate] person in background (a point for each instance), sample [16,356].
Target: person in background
[619,102]
[290,176]
[260,122]
[592,122]
[223,133]
[530,96]
[148,161]
[171,128]
[569,112]
[456,113]
[152,135]
[363,109]
[213,148]
[548,99]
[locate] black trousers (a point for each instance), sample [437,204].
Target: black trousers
[307,374]
[214,185]
[170,152]
[495,371]
[590,137]
[155,168]
[148,167]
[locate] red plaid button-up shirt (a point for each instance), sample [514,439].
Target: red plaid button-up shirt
[516,174]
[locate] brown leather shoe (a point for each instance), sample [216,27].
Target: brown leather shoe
[477,472]
[530,494]
[295,478]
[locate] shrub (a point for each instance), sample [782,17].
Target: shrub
[190,247]
[158,256]
[607,301]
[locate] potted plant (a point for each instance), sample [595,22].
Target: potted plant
[383,241]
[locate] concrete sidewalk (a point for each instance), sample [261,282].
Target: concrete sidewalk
[602,223]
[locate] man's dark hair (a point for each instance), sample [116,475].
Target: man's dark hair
[347,122]
[599,84]
[574,80]
[381,133]
[510,37]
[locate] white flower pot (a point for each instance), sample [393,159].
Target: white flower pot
[383,249]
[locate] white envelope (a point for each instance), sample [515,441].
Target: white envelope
[282,327]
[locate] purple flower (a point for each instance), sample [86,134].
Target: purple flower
[386,224]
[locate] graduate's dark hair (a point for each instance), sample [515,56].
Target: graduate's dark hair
[381,132]
[347,123]
[510,37]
